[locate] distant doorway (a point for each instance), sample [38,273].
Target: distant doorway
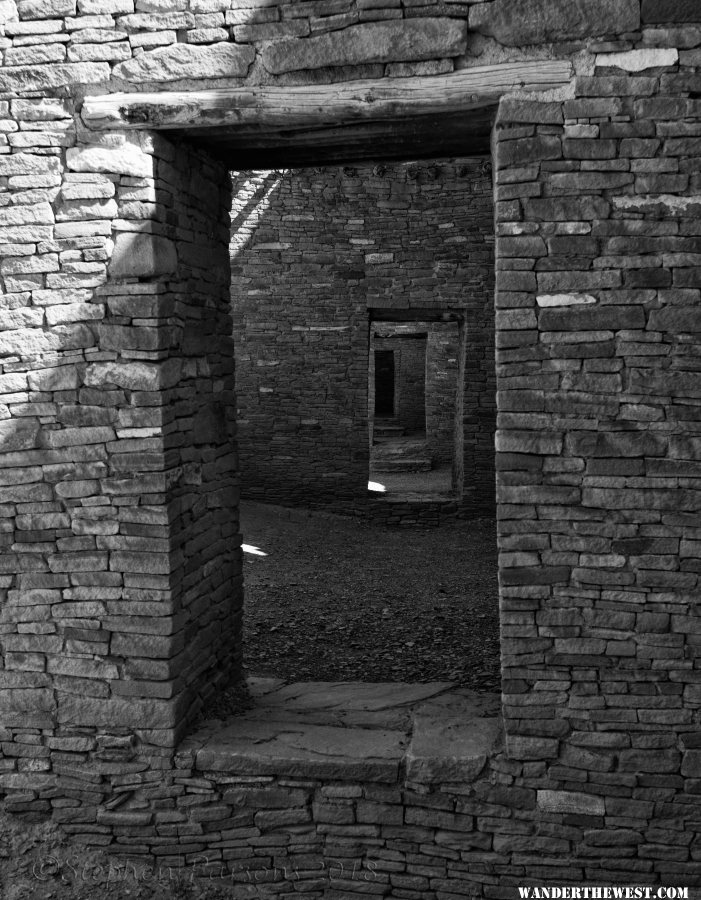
[414,393]
[384,382]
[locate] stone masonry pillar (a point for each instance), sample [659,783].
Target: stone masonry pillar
[120,568]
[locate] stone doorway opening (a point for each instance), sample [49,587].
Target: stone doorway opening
[354,291]
[416,442]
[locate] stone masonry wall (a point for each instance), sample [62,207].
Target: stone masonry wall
[598,255]
[118,504]
[314,253]
[442,379]
[411,384]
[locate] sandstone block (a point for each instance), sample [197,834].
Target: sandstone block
[18,434]
[72,437]
[151,646]
[135,376]
[45,9]
[615,444]
[691,764]
[549,300]
[143,256]
[676,319]
[8,11]
[570,802]
[639,60]
[58,378]
[133,561]
[517,153]
[558,209]
[115,712]
[37,78]
[380,42]
[591,318]
[540,21]
[656,761]
[530,111]
[528,442]
[183,61]
[105,7]
[125,159]
[519,747]
[39,213]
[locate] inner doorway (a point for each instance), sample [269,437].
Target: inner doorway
[384,383]
[416,440]
[352,291]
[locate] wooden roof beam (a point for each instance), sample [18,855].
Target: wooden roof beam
[257,109]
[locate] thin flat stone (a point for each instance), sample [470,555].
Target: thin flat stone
[268,748]
[403,40]
[539,21]
[183,61]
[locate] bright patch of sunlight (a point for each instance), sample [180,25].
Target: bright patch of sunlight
[253,550]
[249,206]
[376,486]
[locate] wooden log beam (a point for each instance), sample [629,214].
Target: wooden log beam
[275,109]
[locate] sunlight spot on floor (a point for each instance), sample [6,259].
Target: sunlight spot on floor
[253,550]
[376,486]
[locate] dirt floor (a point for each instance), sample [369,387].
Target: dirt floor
[341,599]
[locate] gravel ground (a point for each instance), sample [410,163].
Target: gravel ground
[341,599]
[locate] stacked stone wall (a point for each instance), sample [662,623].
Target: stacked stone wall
[597,334]
[411,382]
[118,503]
[598,490]
[315,255]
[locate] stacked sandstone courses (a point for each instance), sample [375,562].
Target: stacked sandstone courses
[119,547]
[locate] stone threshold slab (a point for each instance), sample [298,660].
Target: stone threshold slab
[351,731]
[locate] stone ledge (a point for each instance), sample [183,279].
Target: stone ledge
[434,733]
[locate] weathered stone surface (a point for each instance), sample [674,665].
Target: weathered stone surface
[546,300]
[615,444]
[570,802]
[639,60]
[401,41]
[528,442]
[676,319]
[595,318]
[46,9]
[36,78]
[539,21]
[282,748]
[185,61]
[115,712]
[126,158]
[449,750]
[57,378]
[143,256]
[8,11]
[134,376]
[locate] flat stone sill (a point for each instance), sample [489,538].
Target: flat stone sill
[352,731]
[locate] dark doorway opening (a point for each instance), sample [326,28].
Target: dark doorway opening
[384,382]
[353,291]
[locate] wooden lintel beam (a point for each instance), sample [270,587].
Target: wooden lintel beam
[261,108]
